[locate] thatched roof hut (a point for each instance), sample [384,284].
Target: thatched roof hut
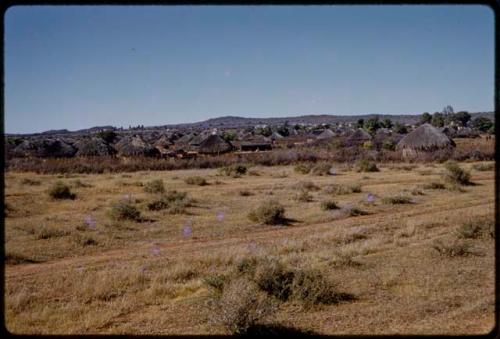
[214,144]
[93,147]
[44,148]
[326,134]
[425,138]
[358,137]
[164,141]
[255,143]
[134,146]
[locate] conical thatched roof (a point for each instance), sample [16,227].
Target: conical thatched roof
[163,141]
[326,134]
[276,136]
[214,144]
[135,145]
[44,148]
[93,147]
[358,137]
[425,138]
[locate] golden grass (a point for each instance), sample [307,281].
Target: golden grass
[146,277]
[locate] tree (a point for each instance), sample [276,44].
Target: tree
[108,136]
[482,123]
[228,135]
[360,123]
[447,110]
[387,123]
[437,120]
[462,117]
[399,128]
[265,131]
[425,118]
[283,130]
[372,124]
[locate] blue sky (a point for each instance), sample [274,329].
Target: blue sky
[76,67]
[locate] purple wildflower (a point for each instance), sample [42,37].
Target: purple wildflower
[90,222]
[155,250]
[187,230]
[370,197]
[332,171]
[220,216]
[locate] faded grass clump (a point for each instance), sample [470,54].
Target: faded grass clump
[476,228]
[306,185]
[61,191]
[31,182]
[196,180]
[154,186]
[490,166]
[454,248]
[434,185]
[270,212]
[322,168]
[175,202]
[338,189]
[123,210]
[454,174]
[303,196]
[365,165]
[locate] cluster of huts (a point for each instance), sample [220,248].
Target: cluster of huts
[425,138]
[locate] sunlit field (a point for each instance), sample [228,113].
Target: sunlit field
[401,250]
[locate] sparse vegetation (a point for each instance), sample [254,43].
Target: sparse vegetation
[455,248]
[322,168]
[175,202]
[397,200]
[329,205]
[196,180]
[235,171]
[302,168]
[61,191]
[304,196]
[338,189]
[154,186]
[31,182]
[366,166]
[122,210]
[306,185]
[434,185]
[270,212]
[490,166]
[454,174]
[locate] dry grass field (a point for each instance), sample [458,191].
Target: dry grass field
[418,260]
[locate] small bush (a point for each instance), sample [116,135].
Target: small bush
[302,168]
[270,212]
[216,282]
[397,200]
[235,171]
[245,193]
[306,185]
[389,145]
[196,180]
[240,306]
[61,191]
[434,186]
[125,211]
[30,182]
[78,183]
[329,205]
[453,249]
[366,166]
[484,166]
[455,174]
[322,168]
[175,201]
[355,211]
[475,228]
[16,258]
[304,196]
[273,277]
[46,232]
[337,189]
[84,240]
[154,186]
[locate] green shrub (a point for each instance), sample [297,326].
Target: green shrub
[216,281]
[366,166]
[196,180]
[270,212]
[125,211]
[61,191]
[154,186]
[274,278]
[302,168]
[329,205]
[389,145]
[175,201]
[311,287]
[455,174]
[397,200]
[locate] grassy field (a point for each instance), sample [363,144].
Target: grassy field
[419,259]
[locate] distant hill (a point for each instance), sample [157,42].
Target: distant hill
[241,122]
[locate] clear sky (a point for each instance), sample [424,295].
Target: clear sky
[76,67]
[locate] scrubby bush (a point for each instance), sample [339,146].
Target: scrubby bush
[154,186]
[456,248]
[245,193]
[235,170]
[329,205]
[304,196]
[302,168]
[175,201]
[484,166]
[455,174]
[240,306]
[306,185]
[434,186]
[79,183]
[30,182]
[196,180]
[84,240]
[61,191]
[273,277]
[338,189]
[216,282]
[47,232]
[397,200]
[270,212]
[389,145]
[365,165]
[475,228]
[124,211]
[355,211]
[322,168]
